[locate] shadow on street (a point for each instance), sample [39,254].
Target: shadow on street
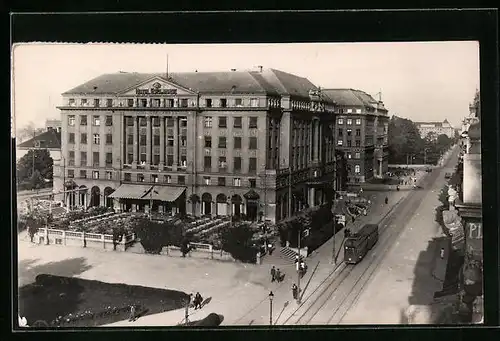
[27,270]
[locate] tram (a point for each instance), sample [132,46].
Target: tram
[357,245]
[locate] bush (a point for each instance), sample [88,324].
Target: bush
[156,235]
[238,242]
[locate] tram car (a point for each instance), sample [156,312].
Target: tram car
[357,245]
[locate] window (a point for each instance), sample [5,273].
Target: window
[143,122]
[140,177]
[109,120]
[109,175]
[71,102]
[71,138]
[83,120]
[253,122]
[252,143]
[83,159]
[155,103]
[109,102]
[154,178]
[207,163]
[349,121]
[156,159]
[253,183]
[237,182]
[358,121]
[71,161]
[341,132]
[183,122]
[170,141]
[221,181]
[71,173]
[143,103]
[208,122]
[71,120]
[109,159]
[349,155]
[97,139]
[237,163]
[142,140]
[341,121]
[127,177]
[83,174]
[237,122]
[222,122]
[208,102]
[130,121]
[357,169]
[358,111]
[238,102]
[130,102]
[170,160]
[254,102]
[181,180]
[109,138]
[357,155]
[156,140]
[252,165]
[349,143]
[349,132]
[349,111]
[222,163]
[130,139]
[156,121]
[223,102]
[167,179]
[83,138]
[358,132]
[169,103]
[183,103]
[95,174]
[95,159]
[142,158]
[340,142]
[237,142]
[96,102]
[84,102]
[130,158]
[208,141]
[358,143]
[222,142]
[96,121]
[206,180]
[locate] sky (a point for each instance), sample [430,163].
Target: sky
[421,81]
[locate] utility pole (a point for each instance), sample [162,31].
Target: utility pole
[33,154]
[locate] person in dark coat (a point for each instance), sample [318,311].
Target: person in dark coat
[278,275]
[386,200]
[273,274]
[295,291]
[397,187]
[197,301]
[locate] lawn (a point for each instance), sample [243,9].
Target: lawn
[75,302]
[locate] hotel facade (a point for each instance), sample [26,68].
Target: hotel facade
[253,143]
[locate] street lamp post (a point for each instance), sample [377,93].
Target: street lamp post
[271,296]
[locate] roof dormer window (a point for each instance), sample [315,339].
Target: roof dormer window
[223,102]
[84,102]
[71,102]
[238,102]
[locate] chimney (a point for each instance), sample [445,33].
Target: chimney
[232,70]
[260,68]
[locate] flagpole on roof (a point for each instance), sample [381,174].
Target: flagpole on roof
[167,68]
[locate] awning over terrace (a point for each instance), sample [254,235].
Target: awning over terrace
[131,191]
[165,193]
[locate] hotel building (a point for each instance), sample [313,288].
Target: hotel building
[202,143]
[361,133]
[435,129]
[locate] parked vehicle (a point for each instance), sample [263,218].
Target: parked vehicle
[357,245]
[447,175]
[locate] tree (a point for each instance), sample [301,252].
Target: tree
[404,139]
[237,241]
[42,165]
[156,235]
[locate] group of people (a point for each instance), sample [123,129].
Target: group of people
[197,300]
[276,275]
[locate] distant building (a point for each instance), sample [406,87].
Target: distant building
[49,139]
[361,133]
[436,128]
[53,124]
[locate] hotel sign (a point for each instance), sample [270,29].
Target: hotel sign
[155,89]
[474,235]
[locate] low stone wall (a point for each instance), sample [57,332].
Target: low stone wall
[202,251]
[91,240]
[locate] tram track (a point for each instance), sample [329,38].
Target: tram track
[338,284]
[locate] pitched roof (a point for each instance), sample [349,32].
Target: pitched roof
[269,81]
[436,124]
[350,97]
[50,139]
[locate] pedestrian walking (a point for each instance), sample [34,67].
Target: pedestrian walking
[278,275]
[386,200]
[273,274]
[132,316]
[295,291]
[397,188]
[197,301]
[270,248]
[442,253]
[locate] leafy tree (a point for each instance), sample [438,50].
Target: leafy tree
[155,235]
[238,242]
[404,139]
[42,165]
